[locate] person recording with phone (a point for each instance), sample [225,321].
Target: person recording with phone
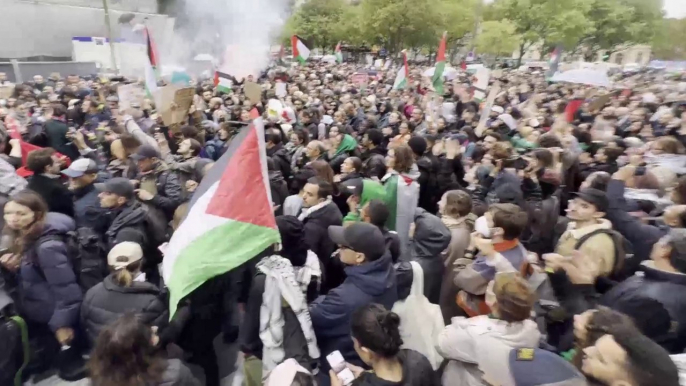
[377,341]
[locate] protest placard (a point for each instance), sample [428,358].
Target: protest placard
[253,91]
[174,103]
[6,91]
[280,90]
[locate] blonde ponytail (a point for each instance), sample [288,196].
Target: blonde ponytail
[123,278]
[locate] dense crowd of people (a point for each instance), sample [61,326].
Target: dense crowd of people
[426,239]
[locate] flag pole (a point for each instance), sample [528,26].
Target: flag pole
[109,35]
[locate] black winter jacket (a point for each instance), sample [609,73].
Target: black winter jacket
[128,225]
[55,194]
[108,301]
[317,234]
[87,209]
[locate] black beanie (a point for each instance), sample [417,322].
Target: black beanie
[418,145]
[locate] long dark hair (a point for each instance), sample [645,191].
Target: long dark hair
[124,355]
[23,238]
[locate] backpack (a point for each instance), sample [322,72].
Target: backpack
[15,356]
[87,255]
[624,252]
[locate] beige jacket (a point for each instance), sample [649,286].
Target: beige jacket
[599,250]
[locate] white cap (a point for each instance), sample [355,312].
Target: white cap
[123,254]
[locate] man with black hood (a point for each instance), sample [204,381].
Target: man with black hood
[319,213]
[374,154]
[428,173]
[278,186]
[126,214]
[277,152]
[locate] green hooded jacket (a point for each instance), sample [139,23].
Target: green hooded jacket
[348,144]
[371,190]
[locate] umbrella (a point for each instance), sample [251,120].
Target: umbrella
[448,72]
[585,76]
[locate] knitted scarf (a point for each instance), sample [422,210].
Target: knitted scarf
[282,286]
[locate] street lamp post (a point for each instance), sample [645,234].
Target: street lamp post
[109,35]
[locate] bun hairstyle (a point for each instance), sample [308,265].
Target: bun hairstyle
[376,329]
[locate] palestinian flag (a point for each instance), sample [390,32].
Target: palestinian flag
[554,62]
[300,50]
[403,74]
[338,53]
[571,109]
[437,79]
[230,218]
[222,82]
[151,65]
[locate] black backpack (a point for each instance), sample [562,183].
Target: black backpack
[87,255]
[624,252]
[15,355]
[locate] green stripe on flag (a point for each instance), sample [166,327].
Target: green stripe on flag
[217,251]
[301,59]
[437,79]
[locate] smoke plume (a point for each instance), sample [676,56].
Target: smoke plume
[239,33]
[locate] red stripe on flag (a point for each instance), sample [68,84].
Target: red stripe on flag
[440,56]
[572,107]
[242,194]
[151,48]
[294,43]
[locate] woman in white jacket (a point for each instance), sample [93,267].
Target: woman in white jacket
[511,301]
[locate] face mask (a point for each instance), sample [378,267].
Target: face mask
[481,226]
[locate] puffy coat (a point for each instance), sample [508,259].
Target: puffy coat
[169,192]
[177,374]
[372,282]
[48,288]
[108,301]
[431,238]
[665,287]
[460,342]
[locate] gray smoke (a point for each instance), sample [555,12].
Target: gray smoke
[237,32]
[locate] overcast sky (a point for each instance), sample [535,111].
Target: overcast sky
[675,8]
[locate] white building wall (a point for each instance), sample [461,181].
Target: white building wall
[46,27]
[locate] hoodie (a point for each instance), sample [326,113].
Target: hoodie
[370,282]
[371,190]
[460,341]
[431,238]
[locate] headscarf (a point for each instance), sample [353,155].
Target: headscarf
[348,144]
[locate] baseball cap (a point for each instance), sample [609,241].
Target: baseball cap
[119,186]
[80,167]
[506,366]
[594,196]
[123,254]
[145,151]
[360,237]
[497,109]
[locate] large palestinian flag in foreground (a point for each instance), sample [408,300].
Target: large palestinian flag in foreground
[230,219]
